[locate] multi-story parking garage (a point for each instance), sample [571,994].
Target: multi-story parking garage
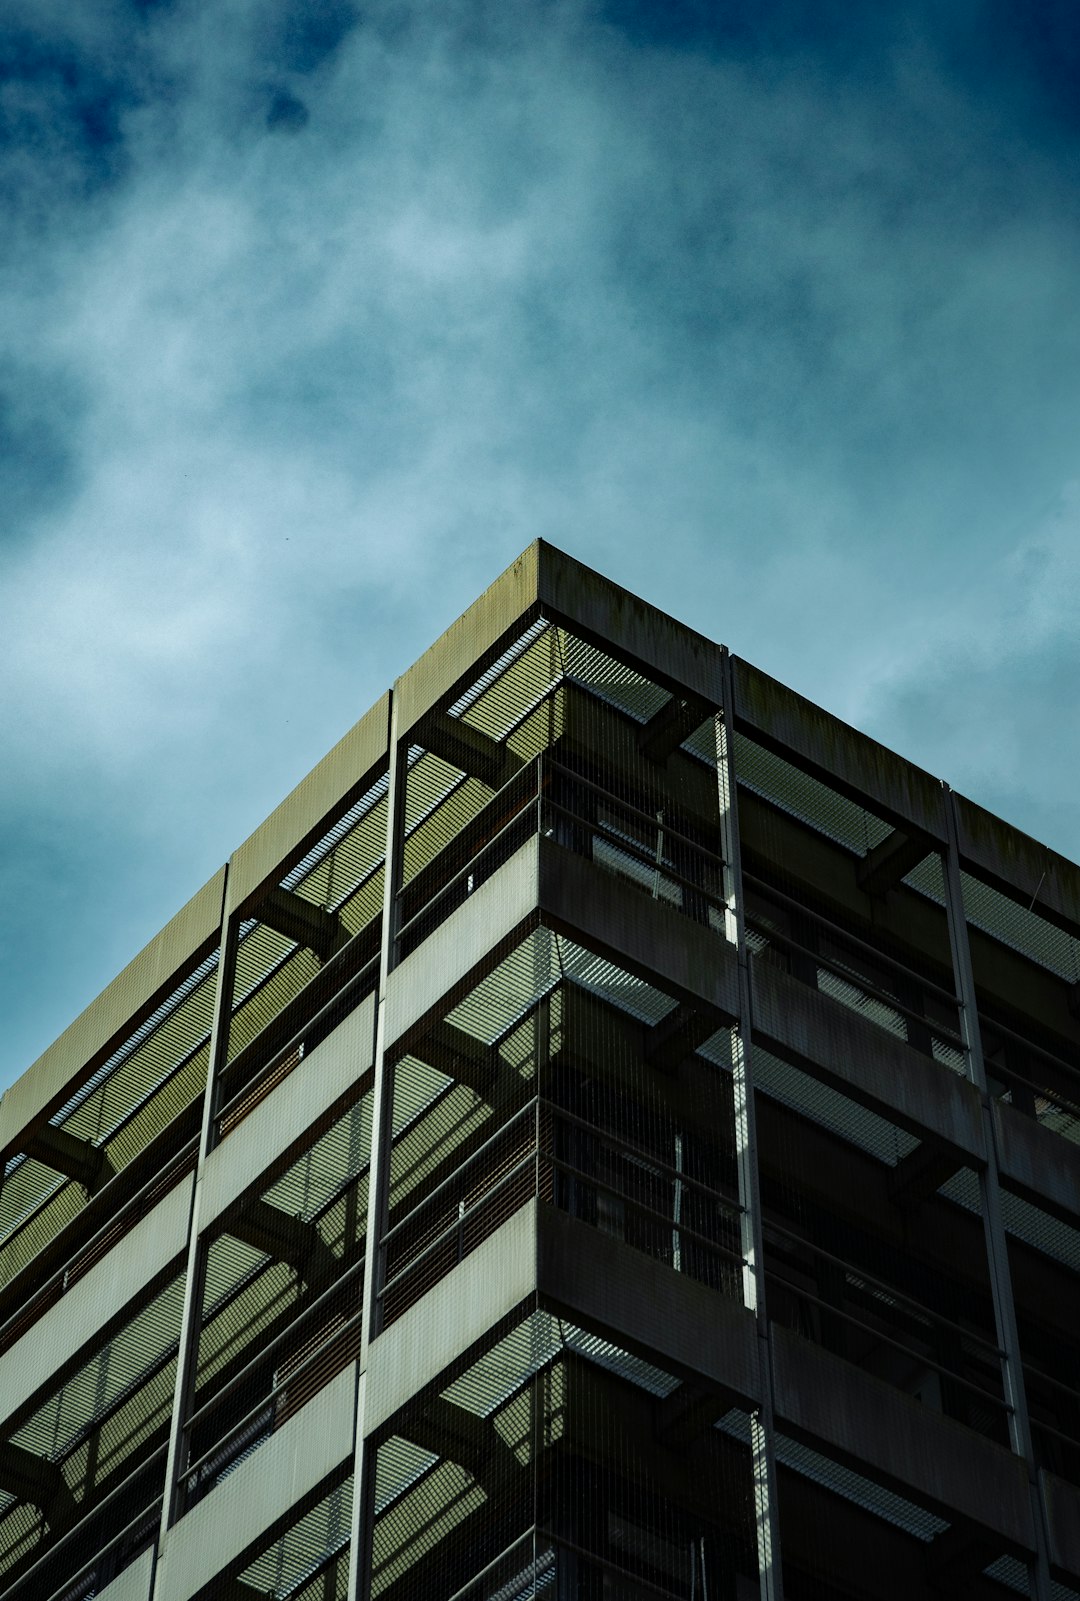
[611,1132]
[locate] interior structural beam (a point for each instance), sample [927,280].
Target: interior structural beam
[304,923]
[883,867]
[667,728]
[461,745]
[76,1159]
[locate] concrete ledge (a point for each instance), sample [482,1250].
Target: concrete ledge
[864,1061]
[691,962]
[592,606]
[456,652]
[899,1440]
[1043,1165]
[608,1285]
[456,947]
[300,820]
[451,1317]
[312,1090]
[1022,868]
[133,1584]
[1062,1502]
[136,1260]
[836,752]
[239,1513]
[145,982]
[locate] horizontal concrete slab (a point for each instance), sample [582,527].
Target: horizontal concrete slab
[1029,872]
[145,982]
[613,1288]
[836,752]
[872,1065]
[315,1086]
[450,1318]
[154,1245]
[134,1583]
[689,961]
[898,1439]
[1062,1502]
[1044,1165]
[300,820]
[590,604]
[234,1518]
[453,950]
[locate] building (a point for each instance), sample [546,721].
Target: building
[611,1132]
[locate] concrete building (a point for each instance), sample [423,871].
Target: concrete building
[611,1132]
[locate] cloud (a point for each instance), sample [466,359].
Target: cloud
[784,342]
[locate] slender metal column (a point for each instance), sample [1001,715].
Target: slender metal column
[990,1197]
[187,1355]
[382,1122]
[753,1279]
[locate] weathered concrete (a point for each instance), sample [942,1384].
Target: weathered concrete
[300,820]
[1062,1501]
[131,997]
[1042,1165]
[1022,868]
[266,1138]
[451,953]
[611,1287]
[690,962]
[154,1246]
[899,1440]
[838,754]
[234,1517]
[864,1061]
[451,1317]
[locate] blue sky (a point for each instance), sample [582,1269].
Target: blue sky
[314,314]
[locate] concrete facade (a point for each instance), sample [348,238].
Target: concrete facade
[613,1130]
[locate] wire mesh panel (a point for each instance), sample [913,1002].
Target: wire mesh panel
[146,1086]
[560,737]
[846,1533]
[868,1251]
[556,1462]
[1044,1263]
[89,1459]
[306,954]
[281,1302]
[308,1561]
[1026,974]
[561,1075]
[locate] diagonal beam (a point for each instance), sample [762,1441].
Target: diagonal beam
[312,926]
[883,867]
[666,729]
[286,1239]
[469,1060]
[450,1431]
[677,1036]
[923,1171]
[77,1159]
[29,1478]
[461,745]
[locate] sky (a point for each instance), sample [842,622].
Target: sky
[314,314]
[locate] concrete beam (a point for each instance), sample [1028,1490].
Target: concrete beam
[1037,1163]
[262,1495]
[690,962]
[30,1478]
[76,1159]
[677,1036]
[919,1174]
[452,1432]
[150,1253]
[883,867]
[901,1442]
[666,729]
[109,1019]
[838,754]
[286,1239]
[460,745]
[311,926]
[1020,867]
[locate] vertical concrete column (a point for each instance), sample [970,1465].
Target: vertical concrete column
[187,1356]
[761,1422]
[382,1128]
[990,1198]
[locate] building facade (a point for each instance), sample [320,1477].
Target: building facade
[611,1133]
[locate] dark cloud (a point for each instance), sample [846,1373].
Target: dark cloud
[286,113]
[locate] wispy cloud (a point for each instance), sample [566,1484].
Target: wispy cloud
[317,316]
